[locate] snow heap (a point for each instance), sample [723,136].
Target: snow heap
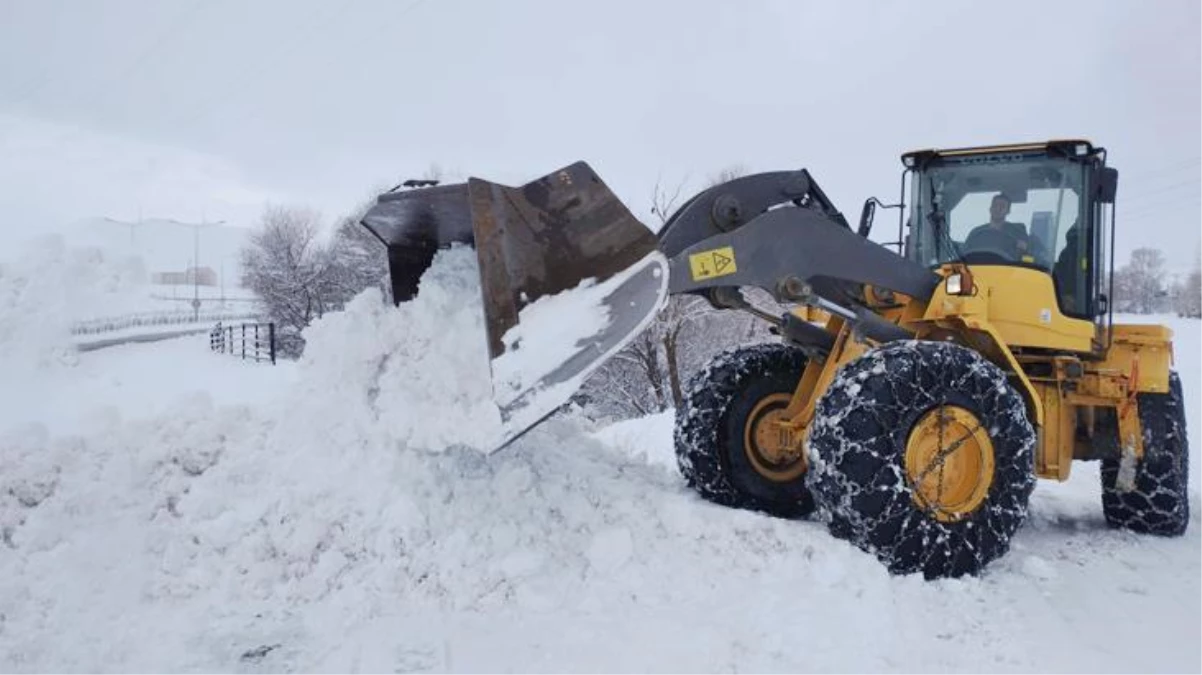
[216,530]
[45,286]
[416,375]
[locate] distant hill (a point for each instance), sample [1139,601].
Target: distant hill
[166,245]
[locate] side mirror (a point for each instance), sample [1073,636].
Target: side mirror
[866,217]
[1107,185]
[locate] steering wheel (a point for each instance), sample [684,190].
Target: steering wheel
[987,245]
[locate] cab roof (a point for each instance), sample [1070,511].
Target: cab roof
[1068,146]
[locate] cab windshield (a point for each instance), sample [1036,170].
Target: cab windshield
[1024,210]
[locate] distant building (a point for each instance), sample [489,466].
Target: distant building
[203,276]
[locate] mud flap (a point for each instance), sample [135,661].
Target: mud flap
[568,276]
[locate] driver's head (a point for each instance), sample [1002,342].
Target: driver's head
[999,208]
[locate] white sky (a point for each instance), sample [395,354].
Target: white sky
[184,108]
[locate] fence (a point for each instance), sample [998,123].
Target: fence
[251,341]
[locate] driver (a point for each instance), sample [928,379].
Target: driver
[1013,236]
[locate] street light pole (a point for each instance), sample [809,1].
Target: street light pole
[196,266]
[196,272]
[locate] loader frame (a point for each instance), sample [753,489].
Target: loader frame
[1079,378]
[1079,375]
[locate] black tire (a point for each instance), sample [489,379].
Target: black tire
[857,457]
[709,434]
[1159,504]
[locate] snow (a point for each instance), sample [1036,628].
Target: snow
[165,508]
[137,381]
[548,333]
[56,296]
[561,339]
[45,285]
[647,439]
[419,373]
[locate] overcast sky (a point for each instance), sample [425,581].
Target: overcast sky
[184,108]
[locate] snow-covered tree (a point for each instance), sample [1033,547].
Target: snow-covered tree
[1139,286]
[286,265]
[1187,292]
[358,259]
[300,277]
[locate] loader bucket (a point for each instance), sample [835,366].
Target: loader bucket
[568,276]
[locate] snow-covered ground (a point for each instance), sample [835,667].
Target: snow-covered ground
[164,508]
[137,381]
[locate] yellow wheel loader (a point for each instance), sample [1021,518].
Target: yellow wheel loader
[955,365]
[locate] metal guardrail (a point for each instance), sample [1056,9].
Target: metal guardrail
[153,319]
[251,341]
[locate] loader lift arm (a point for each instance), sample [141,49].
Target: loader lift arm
[730,205]
[780,232]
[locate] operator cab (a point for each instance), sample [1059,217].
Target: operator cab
[1038,206]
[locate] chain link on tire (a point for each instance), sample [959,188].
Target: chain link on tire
[1159,502]
[858,447]
[710,429]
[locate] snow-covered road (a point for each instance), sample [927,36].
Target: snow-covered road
[331,516]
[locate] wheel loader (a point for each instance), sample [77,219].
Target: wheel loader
[954,365]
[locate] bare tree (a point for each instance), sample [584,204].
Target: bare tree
[434,172]
[728,174]
[664,201]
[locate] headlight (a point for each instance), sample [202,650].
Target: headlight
[959,282]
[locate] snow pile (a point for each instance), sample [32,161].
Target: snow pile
[295,535]
[45,286]
[352,525]
[415,375]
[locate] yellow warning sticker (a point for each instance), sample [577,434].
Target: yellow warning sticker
[718,262]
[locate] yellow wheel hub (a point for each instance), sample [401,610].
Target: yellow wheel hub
[949,463]
[771,447]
